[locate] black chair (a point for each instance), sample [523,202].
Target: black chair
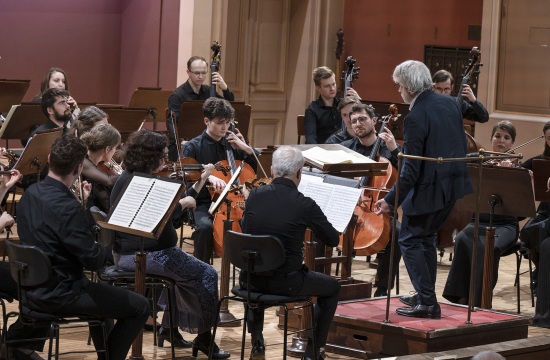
[522,251]
[258,254]
[30,267]
[3,298]
[126,279]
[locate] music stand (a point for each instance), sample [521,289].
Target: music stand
[12,92]
[35,155]
[151,98]
[21,121]
[541,173]
[191,122]
[497,199]
[125,120]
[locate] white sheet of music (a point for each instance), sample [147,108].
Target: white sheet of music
[144,203]
[337,202]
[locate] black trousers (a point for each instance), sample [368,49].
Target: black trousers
[203,236]
[417,240]
[324,287]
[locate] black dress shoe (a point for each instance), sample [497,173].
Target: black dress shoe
[217,353]
[178,340]
[421,311]
[258,351]
[409,300]
[380,291]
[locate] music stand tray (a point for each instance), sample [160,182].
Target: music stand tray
[35,155]
[21,121]
[12,93]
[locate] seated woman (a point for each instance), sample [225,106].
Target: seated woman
[535,230]
[458,282]
[196,292]
[56,78]
[102,142]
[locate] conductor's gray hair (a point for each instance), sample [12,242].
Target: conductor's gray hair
[287,161]
[414,76]
[488,355]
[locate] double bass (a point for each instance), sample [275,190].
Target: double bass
[215,65]
[350,74]
[372,231]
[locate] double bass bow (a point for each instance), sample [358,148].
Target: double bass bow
[215,65]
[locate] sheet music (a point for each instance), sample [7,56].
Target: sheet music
[144,203]
[319,154]
[337,202]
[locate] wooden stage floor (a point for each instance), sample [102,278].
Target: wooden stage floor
[229,338]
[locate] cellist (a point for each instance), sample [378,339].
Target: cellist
[363,120]
[209,148]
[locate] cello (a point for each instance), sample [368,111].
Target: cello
[234,207]
[372,231]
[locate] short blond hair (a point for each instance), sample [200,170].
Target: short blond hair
[320,73]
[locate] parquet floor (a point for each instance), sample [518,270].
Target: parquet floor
[229,338]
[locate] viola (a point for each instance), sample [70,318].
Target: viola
[372,231]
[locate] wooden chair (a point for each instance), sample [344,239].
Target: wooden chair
[300,126]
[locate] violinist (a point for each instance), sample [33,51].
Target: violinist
[506,233]
[536,229]
[193,89]
[347,132]
[196,293]
[294,212]
[209,148]
[102,142]
[470,107]
[363,120]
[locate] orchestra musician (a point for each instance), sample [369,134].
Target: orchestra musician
[535,230]
[209,148]
[347,132]
[56,78]
[506,233]
[363,120]
[471,108]
[193,89]
[542,308]
[56,108]
[427,191]
[322,117]
[102,142]
[294,213]
[50,218]
[196,291]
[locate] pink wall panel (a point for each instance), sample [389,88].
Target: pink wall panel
[80,36]
[381,34]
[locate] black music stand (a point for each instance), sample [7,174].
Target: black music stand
[125,120]
[191,122]
[21,121]
[35,155]
[541,173]
[12,93]
[496,198]
[151,98]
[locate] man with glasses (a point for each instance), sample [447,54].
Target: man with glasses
[193,89]
[363,120]
[470,107]
[427,190]
[209,148]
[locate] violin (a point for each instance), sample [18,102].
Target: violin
[215,65]
[110,168]
[191,169]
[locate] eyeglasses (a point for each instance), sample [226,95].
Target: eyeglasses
[361,119]
[441,90]
[198,73]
